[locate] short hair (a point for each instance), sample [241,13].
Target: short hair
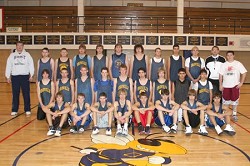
[158,48]
[182,70]
[203,71]
[161,69]
[232,52]
[63,69]
[64,49]
[46,49]
[123,66]
[103,94]
[192,92]
[217,94]
[122,91]
[45,71]
[81,94]
[105,68]
[176,45]
[141,68]
[164,92]
[19,42]
[118,44]
[143,94]
[138,46]
[194,48]
[99,45]
[59,94]
[215,47]
[82,46]
[84,66]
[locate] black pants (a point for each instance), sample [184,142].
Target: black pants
[20,82]
[216,86]
[40,114]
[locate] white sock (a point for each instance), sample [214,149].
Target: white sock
[179,114]
[234,109]
[119,126]
[148,125]
[125,126]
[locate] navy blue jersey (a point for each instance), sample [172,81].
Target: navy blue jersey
[65,88]
[79,110]
[174,67]
[98,65]
[117,61]
[104,86]
[85,88]
[142,106]
[158,88]
[194,106]
[43,66]
[195,67]
[181,90]
[142,88]
[79,63]
[63,65]
[57,108]
[103,108]
[220,108]
[122,109]
[122,85]
[45,92]
[138,64]
[167,105]
[203,93]
[154,69]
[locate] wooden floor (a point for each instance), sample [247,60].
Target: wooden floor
[23,140]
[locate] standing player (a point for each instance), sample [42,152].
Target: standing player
[45,62]
[155,63]
[232,77]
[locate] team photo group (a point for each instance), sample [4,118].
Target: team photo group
[119,91]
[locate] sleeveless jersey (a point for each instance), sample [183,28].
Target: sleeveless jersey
[62,65]
[104,86]
[158,88]
[181,90]
[194,106]
[45,92]
[57,108]
[203,93]
[79,63]
[122,85]
[122,109]
[141,105]
[65,88]
[98,65]
[101,108]
[142,88]
[174,67]
[167,106]
[220,108]
[43,66]
[85,88]
[195,67]
[154,69]
[80,111]
[136,65]
[117,61]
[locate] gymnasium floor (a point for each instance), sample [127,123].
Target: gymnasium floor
[23,141]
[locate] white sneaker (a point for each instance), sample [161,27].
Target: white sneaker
[81,129]
[13,113]
[218,129]
[229,130]
[235,118]
[166,128]
[28,113]
[119,131]
[203,130]
[188,131]
[95,130]
[108,131]
[174,128]
[51,131]
[58,132]
[125,131]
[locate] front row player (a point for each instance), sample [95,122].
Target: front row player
[80,114]
[143,112]
[57,114]
[217,113]
[102,114]
[122,112]
[167,112]
[193,113]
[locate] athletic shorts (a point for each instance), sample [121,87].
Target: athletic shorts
[56,122]
[231,94]
[194,120]
[217,120]
[167,119]
[143,118]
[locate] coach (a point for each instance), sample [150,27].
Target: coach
[19,71]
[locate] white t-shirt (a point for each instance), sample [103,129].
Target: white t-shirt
[195,87]
[195,59]
[176,57]
[231,73]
